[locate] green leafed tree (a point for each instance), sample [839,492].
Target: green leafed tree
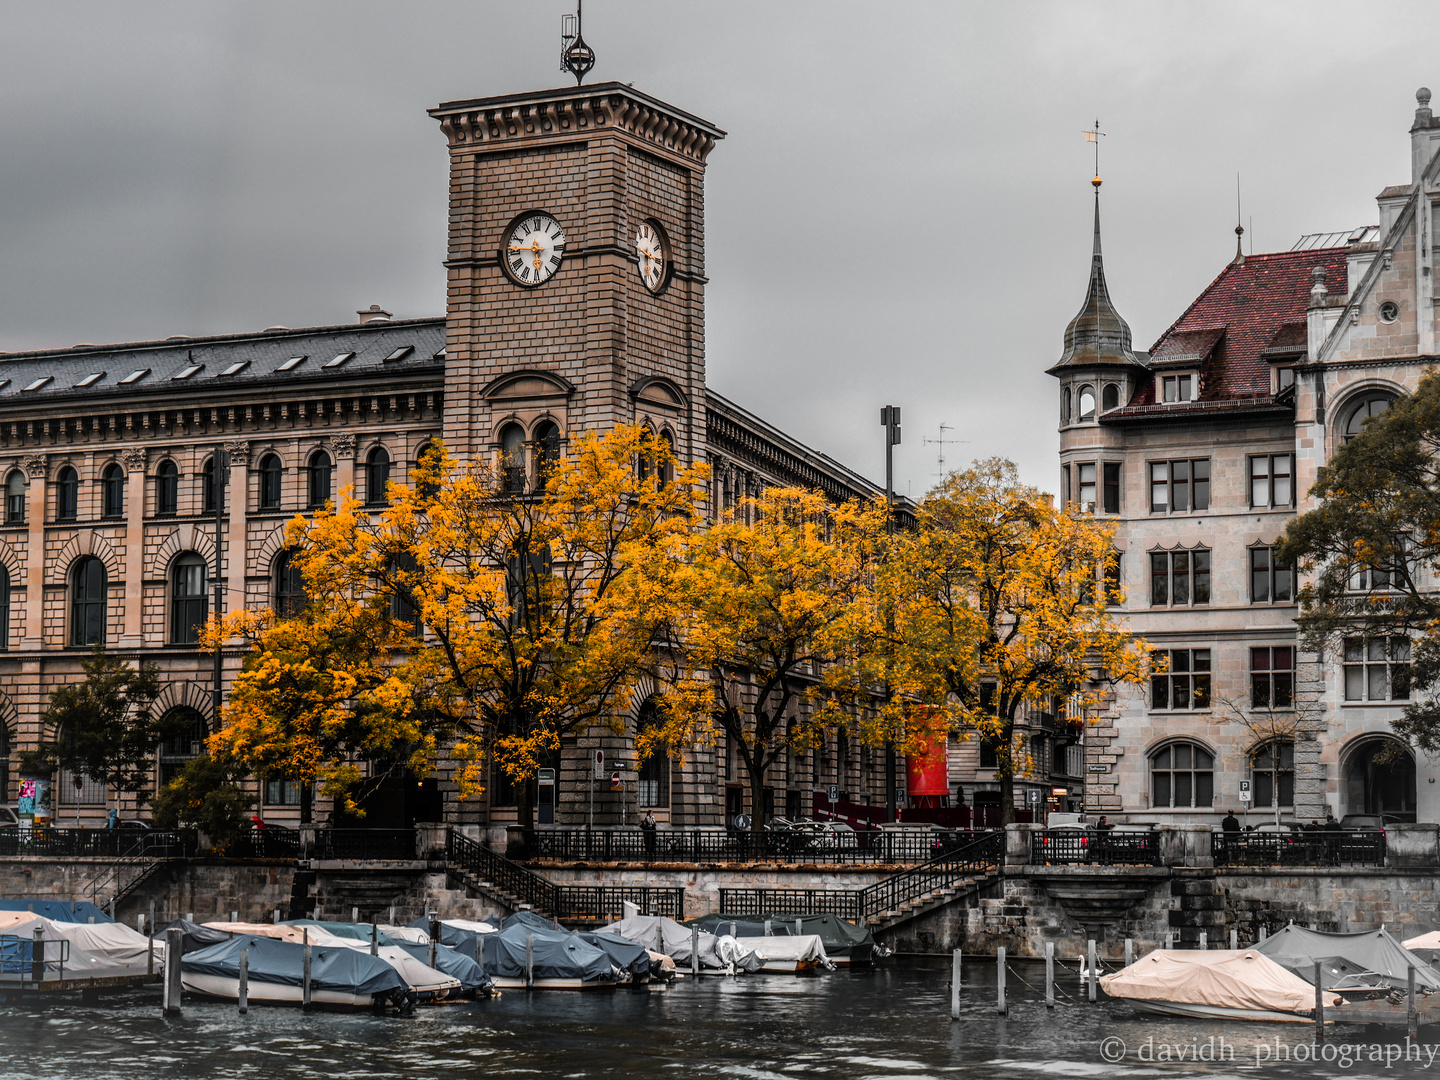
[207,795]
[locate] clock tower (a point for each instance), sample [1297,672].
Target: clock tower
[576,271]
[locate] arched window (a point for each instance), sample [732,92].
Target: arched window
[320,472]
[402,606]
[1272,772]
[290,598]
[426,456]
[1366,407]
[547,451]
[67,494]
[654,777]
[15,498]
[1086,404]
[187,740]
[88,584]
[167,488]
[4,623]
[1110,397]
[645,461]
[377,475]
[1182,775]
[270,479]
[665,460]
[207,486]
[112,491]
[1065,406]
[188,604]
[512,459]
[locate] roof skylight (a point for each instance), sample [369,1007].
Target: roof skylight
[37,384]
[135,376]
[339,360]
[89,380]
[234,369]
[293,362]
[187,371]
[400,353]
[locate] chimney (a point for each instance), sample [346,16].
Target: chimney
[375,313]
[1424,136]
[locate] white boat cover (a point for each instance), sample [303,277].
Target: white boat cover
[783,949]
[110,946]
[280,932]
[1424,941]
[1221,978]
[664,935]
[408,934]
[1297,949]
[418,976]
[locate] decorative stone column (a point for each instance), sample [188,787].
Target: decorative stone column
[343,445]
[36,469]
[237,505]
[133,566]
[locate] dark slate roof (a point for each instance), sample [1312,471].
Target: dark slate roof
[259,353]
[1097,336]
[1251,312]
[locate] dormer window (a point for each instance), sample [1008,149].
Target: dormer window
[1284,379]
[1177,388]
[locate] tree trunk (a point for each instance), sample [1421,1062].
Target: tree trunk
[757,796]
[525,804]
[1005,774]
[307,803]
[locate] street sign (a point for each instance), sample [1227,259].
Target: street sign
[546,776]
[899,791]
[1035,794]
[1244,790]
[833,792]
[1244,785]
[599,772]
[614,781]
[1244,796]
[1097,768]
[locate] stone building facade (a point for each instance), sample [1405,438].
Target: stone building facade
[1200,452]
[108,534]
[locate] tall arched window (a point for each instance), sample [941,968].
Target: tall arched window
[189,732]
[270,480]
[403,609]
[1065,406]
[645,460]
[88,584]
[425,456]
[112,491]
[665,460]
[15,498]
[207,486]
[1182,775]
[67,494]
[167,488]
[512,459]
[189,607]
[321,469]
[1110,397]
[4,616]
[377,475]
[547,451]
[290,598]
[1366,407]
[654,777]
[1086,404]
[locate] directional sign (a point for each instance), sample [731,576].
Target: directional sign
[599,772]
[833,792]
[1097,768]
[1035,795]
[614,781]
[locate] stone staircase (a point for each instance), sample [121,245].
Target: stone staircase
[927,902]
[472,883]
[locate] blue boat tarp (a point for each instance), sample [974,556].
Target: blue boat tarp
[451,962]
[337,968]
[558,954]
[458,933]
[194,936]
[529,919]
[746,928]
[623,953]
[81,911]
[350,930]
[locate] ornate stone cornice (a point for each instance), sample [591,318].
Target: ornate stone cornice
[565,114]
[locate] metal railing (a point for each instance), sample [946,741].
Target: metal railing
[388,844]
[1302,847]
[99,843]
[579,902]
[28,958]
[881,846]
[1096,847]
[267,843]
[982,855]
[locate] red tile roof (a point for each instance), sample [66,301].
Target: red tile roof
[1252,303]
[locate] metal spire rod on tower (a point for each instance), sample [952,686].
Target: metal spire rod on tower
[1094,135]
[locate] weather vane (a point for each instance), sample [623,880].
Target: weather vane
[575,56]
[1094,135]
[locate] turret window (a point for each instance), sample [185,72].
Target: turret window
[1085,403]
[1110,397]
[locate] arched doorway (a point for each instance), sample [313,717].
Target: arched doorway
[1380,779]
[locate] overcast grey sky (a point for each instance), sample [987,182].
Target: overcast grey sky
[201,166]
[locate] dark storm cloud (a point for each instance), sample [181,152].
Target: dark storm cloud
[900,214]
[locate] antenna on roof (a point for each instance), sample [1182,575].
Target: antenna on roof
[942,442]
[1239,229]
[575,56]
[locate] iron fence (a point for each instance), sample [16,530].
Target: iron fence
[99,843]
[1097,847]
[267,843]
[880,847]
[1301,847]
[385,844]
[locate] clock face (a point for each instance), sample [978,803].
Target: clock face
[533,249]
[652,255]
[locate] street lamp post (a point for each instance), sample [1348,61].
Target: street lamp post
[890,421]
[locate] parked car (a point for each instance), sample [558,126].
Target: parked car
[834,836]
[1367,822]
[132,825]
[9,819]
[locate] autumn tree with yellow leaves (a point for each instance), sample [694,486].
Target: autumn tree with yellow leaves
[466,619]
[994,603]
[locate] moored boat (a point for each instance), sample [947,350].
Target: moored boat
[1239,984]
[521,957]
[340,977]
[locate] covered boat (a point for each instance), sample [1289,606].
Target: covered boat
[630,957]
[193,935]
[339,976]
[454,963]
[789,953]
[559,960]
[669,938]
[457,933]
[95,948]
[1239,984]
[845,943]
[1369,959]
[81,911]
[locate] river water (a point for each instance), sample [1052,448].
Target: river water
[871,1024]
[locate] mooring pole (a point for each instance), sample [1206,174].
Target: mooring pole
[1129,951]
[1234,940]
[1049,974]
[480,950]
[1000,980]
[173,949]
[244,992]
[150,952]
[1169,940]
[767,927]
[112,911]
[695,951]
[37,955]
[374,940]
[1204,941]
[529,960]
[434,937]
[955,985]
[1263,935]
[277,916]
[1094,966]
[1319,1005]
[732,930]
[305,973]
[1412,1017]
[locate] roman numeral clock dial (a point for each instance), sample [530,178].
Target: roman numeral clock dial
[652,256]
[534,246]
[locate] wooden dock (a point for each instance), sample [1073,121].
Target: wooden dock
[14,987]
[1383,1012]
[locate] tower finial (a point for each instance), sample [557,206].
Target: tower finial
[1094,135]
[576,57]
[1239,228]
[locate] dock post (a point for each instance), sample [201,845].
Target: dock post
[1049,974]
[732,929]
[1234,940]
[480,950]
[798,924]
[150,933]
[243,997]
[173,949]
[1263,935]
[354,914]
[392,916]
[1412,1018]
[1204,941]
[374,940]
[112,910]
[955,985]
[1093,965]
[529,960]
[234,915]
[1319,1005]
[1000,980]
[767,928]
[1129,951]
[434,936]
[37,955]
[190,916]
[277,916]
[305,972]
[695,950]
[1169,940]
